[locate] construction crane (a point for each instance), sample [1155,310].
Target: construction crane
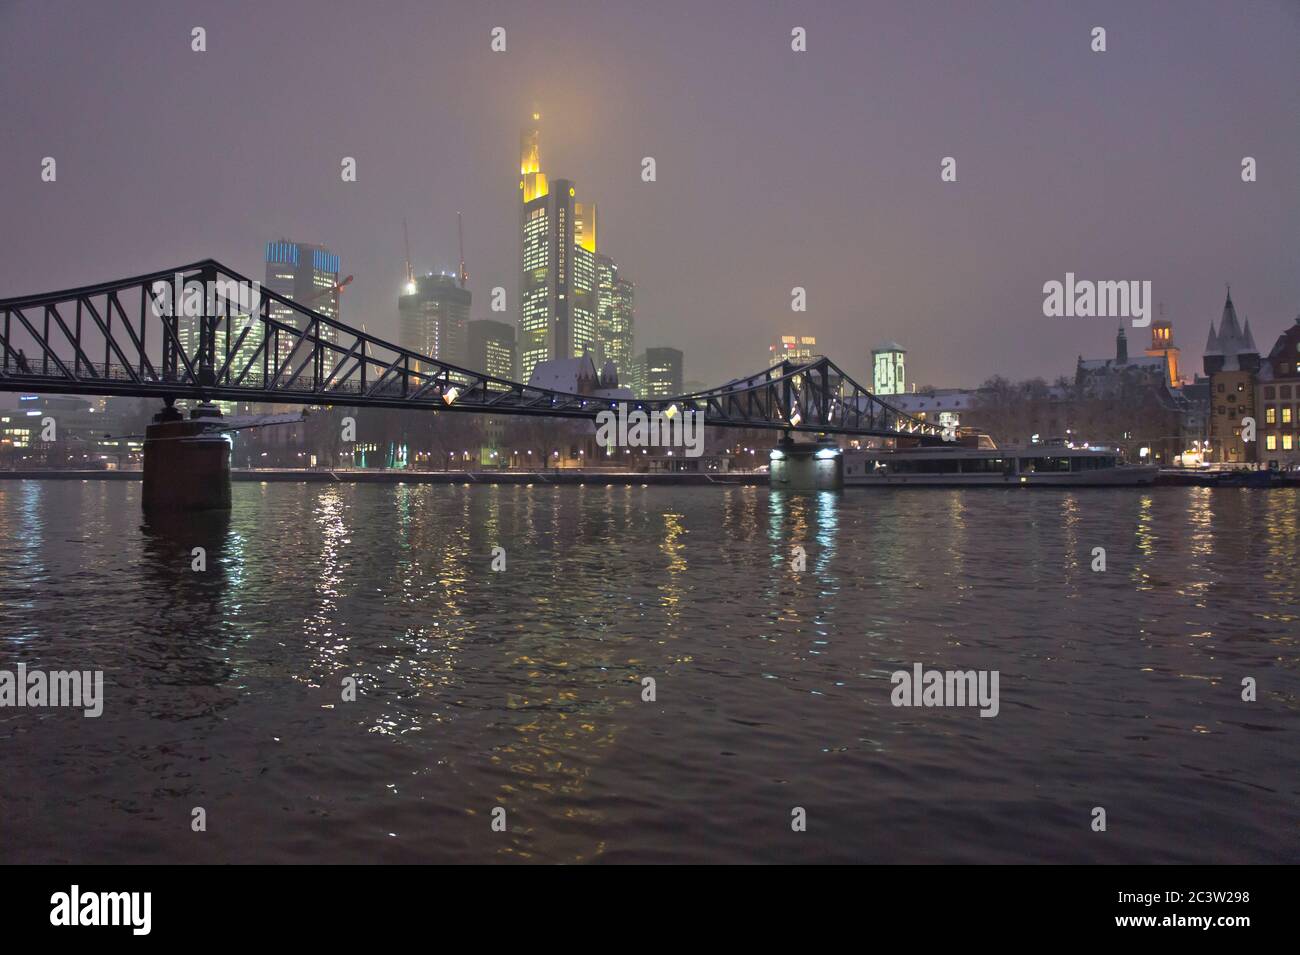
[460,234]
[326,291]
[410,272]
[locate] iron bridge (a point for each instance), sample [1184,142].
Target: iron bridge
[220,341]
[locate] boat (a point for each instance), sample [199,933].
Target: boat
[1245,478]
[959,466]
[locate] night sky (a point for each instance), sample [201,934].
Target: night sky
[775,168]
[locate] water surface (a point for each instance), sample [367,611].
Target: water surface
[522,688]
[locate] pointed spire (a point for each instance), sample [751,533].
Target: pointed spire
[1212,342]
[1248,343]
[1229,328]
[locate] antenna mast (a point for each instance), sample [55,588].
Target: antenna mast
[410,272]
[460,234]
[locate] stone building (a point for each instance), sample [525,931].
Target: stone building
[1232,364]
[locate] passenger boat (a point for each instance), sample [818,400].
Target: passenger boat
[1039,465]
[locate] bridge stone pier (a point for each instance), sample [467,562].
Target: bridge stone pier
[186,465]
[817,466]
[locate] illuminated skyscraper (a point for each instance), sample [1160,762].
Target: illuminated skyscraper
[187,333]
[795,348]
[582,336]
[557,288]
[887,371]
[614,316]
[231,308]
[309,276]
[432,318]
[659,373]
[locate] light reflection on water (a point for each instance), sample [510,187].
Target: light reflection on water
[523,688]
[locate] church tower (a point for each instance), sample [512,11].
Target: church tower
[1162,343]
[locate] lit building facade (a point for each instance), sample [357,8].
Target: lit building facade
[1162,346]
[78,430]
[615,316]
[491,348]
[558,280]
[582,335]
[240,317]
[888,370]
[432,318]
[659,373]
[1278,399]
[795,348]
[942,406]
[307,275]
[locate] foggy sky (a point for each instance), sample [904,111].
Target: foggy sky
[775,169]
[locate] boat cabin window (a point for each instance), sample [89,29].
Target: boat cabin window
[1044,465]
[1062,465]
[1092,464]
[923,466]
[984,465]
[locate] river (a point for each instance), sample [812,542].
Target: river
[522,687]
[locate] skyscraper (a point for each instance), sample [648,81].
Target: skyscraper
[432,318]
[795,348]
[614,316]
[188,335]
[231,309]
[659,374]
[492,348]
[582,337]
[557,288]
[309,276]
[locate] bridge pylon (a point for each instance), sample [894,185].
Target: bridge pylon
[806,466]
[186,464]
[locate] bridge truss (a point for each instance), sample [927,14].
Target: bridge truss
[205,332]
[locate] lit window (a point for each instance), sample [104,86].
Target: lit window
[1270,415]
[1270,442]
[1286,442]
[1286,414]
